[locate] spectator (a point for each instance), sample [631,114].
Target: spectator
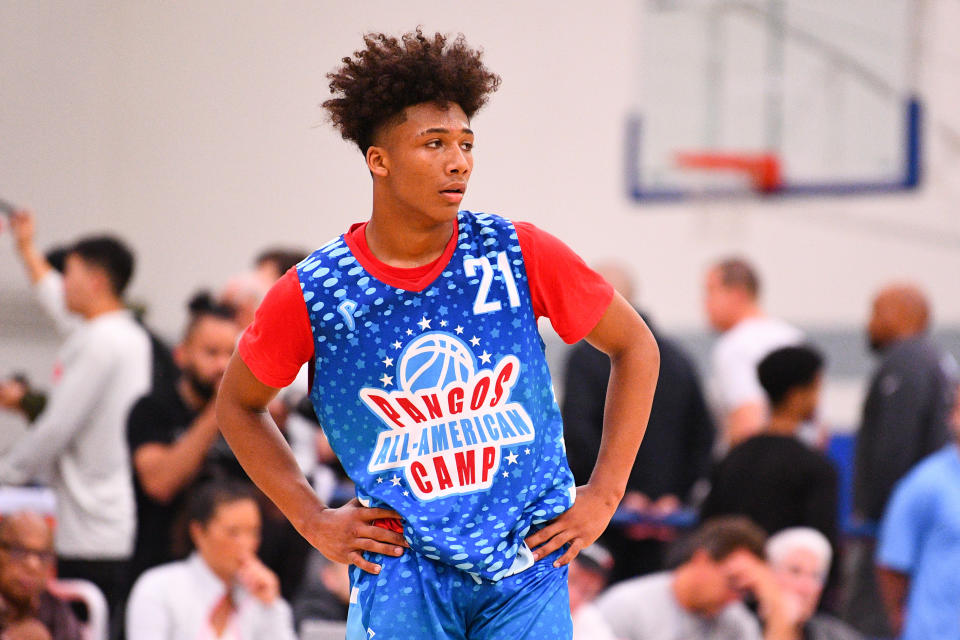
[221,590]
[905,418]
[701,599]
[588,575]
[45,273]
[675,452]
[104,366]
[773,478]
[918,556]
[276,261]
[171,431]
[800,558]
[244,291]
[747,335]
[26,566]
[325,594]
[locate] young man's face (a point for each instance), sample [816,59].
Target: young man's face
[425,161]
[805,399]
[80,282]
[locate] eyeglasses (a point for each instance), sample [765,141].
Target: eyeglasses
[21,554]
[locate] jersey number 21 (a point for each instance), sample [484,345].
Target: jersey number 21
[481,304]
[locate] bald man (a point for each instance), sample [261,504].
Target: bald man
[27,609]
[905,418]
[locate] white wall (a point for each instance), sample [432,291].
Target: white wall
[193,130]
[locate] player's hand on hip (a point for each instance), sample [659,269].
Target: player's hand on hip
[579,526]
[344,533]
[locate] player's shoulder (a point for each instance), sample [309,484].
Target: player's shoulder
[334,249]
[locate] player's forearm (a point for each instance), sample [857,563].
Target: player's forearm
[893,587]
[633,381]
[266,457]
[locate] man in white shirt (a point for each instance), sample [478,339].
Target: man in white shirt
[77,444]
[700,599]
[731,299]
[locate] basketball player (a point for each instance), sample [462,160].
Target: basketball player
[429,376]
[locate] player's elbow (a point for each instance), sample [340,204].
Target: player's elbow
[643,350]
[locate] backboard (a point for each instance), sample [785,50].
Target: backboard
[779,97]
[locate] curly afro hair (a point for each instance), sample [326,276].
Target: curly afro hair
[390,74]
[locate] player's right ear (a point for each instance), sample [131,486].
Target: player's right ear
[377,161]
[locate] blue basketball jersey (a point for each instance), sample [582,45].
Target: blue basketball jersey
[438,402]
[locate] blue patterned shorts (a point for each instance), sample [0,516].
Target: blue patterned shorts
[416,598]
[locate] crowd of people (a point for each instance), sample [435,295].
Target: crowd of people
[728,529]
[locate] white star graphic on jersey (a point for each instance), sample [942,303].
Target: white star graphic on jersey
[527,451]
[387,362]
[409,332]
[506,474]
[475,341]
[406,493]
[379,480]
[385,379]
[443,323]
[395,480]
[485,357]
[397,344]
[512,458]
[459,330]
[424,323]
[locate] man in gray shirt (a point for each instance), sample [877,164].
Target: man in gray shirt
[701,598]
[905,415]
[905,418]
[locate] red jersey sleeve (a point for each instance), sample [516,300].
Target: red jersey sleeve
[279,340]
[562,286]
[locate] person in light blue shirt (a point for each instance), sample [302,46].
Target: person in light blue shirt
[918,553]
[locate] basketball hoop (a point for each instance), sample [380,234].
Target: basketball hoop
[762,169]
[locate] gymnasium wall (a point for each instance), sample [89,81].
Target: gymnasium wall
[194,130]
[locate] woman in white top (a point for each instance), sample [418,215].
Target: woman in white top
[222,591]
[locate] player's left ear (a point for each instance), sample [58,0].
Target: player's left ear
[377,161]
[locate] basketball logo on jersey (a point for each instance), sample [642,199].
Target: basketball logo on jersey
[448,420]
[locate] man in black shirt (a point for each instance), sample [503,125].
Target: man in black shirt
[171,431]
[675,452]
[773,478]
